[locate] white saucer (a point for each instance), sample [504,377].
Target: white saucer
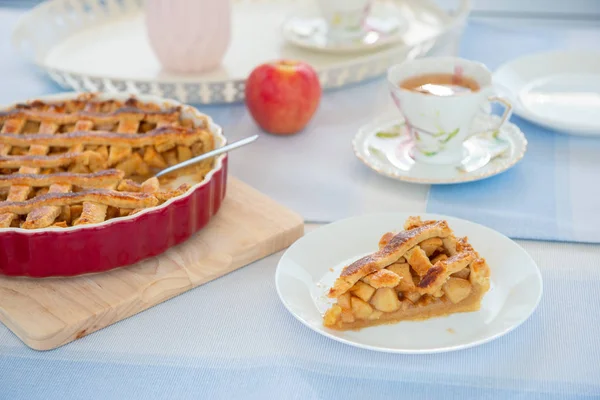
[383,27]
[558,90]
[385,147]
[309,267]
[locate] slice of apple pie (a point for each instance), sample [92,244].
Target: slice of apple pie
[419,273]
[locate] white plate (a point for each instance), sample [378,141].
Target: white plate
[385,147]
[384,26]
[558,90]
[310,266]
[101,45]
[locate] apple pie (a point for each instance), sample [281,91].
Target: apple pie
[85,160]
[422,272]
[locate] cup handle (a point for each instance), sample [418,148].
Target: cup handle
[508,109]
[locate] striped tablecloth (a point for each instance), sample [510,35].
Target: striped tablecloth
[232,338]
[554,192]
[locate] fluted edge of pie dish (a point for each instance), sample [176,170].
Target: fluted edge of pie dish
[120,241]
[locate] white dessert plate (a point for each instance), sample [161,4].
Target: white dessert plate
[558,90]
[310,266]
[385,146]
[384,26]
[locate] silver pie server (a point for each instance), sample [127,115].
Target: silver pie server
[210,154]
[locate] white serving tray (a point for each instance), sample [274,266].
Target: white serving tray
[101,45]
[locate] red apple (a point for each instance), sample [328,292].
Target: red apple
[282,96]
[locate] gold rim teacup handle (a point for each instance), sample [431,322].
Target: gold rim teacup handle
[508,109]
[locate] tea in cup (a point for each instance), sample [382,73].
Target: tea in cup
[439,98]
[345,18]
[441,84]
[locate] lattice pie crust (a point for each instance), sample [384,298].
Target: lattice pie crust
[84,161]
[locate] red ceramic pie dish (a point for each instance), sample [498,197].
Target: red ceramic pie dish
[122,241]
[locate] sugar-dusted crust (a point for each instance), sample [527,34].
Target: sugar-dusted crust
[385,239]
[42,161]
[396,247]
[98,196]
[59,118]
[382,278]
[94,179]
[172,134]
[132,109]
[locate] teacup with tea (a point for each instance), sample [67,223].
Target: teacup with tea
[345,18]
[439,98]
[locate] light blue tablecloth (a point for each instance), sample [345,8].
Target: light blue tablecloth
[554,192]
[233,339]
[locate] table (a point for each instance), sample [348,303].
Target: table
[256,349]
[253,348]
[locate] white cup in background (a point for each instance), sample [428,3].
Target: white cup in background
[439,125]
[345,18]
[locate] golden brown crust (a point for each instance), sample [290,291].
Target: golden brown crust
[35,161]
[171,134]
[450,244]
[127,185]
[462,244]
[61,151]
[41,217]
[382,278]
[385,239]
[436,276]
[480,272]
[418,260]
[405,240]
[391,253]
[130,113]
[165,195]
[100,196]
[95,179]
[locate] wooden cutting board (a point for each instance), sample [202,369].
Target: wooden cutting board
[48,313]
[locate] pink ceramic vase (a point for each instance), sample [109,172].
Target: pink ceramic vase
[189,35]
